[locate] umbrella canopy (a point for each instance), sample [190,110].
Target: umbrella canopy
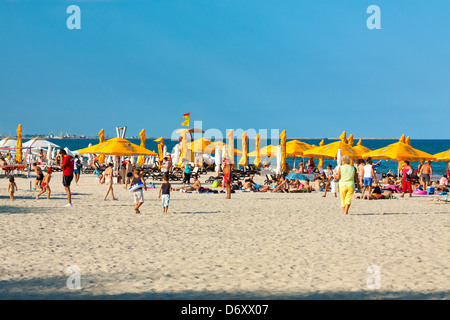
[360,149]
[295,148]
[8,142]
[443,156]
[330,150]
[212,148]
[267,151]
[399,151]
[118,147]
[296,176]
[39,143]
[199,145]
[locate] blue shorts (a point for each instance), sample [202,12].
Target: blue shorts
[368,182]
[76,171]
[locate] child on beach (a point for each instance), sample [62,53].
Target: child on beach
[11,188]
[46,184]
[164,193]
[39,176]
[138,194]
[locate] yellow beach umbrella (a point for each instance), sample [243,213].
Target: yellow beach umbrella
[244,159]
[19,144]
[443,156]
[230,146]
[321,144]
[295,148]
[399,151]
[141,159]
[257,161]
[267,151]
[360,149]
[283,149]
[329,151]
[101,139]
[118,147]
[212,148]
[184,148]
[160,150]
[199,145]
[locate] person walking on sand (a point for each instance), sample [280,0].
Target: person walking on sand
[227,177]
[12,186]
[369,175]
[426,172]
[46,184]
[77,168]
[67,167]
[138,194]
[407,173]
[348,179]
[108,174]
[164,193]
[129,172]
[39,176]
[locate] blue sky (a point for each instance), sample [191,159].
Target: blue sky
[312,68]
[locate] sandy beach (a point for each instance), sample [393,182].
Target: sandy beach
[254,246]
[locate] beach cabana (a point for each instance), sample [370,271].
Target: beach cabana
[399,151]
[329,151]
[117,147]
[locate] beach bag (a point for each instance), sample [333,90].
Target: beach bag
[215,184]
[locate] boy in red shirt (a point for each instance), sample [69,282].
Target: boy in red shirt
[67,167]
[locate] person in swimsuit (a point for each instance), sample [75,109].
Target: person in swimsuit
[46,184]
[138,194]
[426,172]
[108,174]
[40,176]
[227,177]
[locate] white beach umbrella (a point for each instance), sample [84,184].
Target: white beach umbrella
[165,151]
[49,154]
[70,153]
[218,159]
[39,143]
[279,156]
[339,157]
[224,152]
[8,142]
[176,154]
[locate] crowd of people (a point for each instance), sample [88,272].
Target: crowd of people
[346,179]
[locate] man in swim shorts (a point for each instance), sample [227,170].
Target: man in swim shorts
[67,167]
[426,173]
[40,176]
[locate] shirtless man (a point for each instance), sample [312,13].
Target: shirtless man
[108,174]
[40,176]
[426,172]
[360,171]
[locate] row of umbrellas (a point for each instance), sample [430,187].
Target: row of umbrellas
[398,151]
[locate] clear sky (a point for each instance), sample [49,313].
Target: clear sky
[312,68]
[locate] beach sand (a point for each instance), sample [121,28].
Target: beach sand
[254,246]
